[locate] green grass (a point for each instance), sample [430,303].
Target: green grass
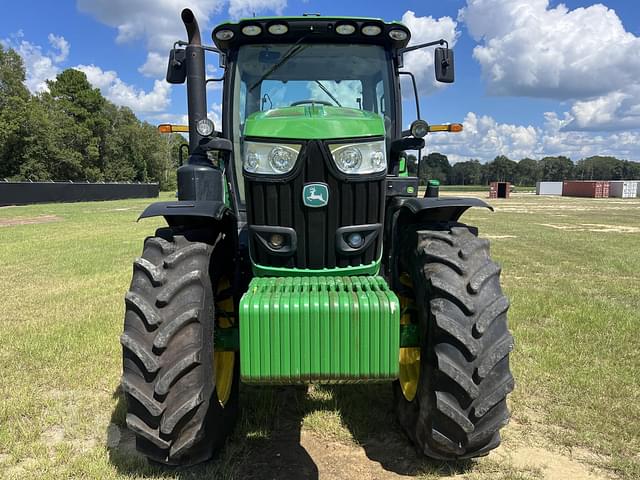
[575,300]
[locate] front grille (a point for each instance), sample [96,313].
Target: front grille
[351,202]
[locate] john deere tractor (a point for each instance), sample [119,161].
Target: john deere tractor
[300,252]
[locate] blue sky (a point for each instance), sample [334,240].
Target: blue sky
[533,77]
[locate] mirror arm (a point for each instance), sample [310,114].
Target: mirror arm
[415,91]
[212,49]
[182,43]
[440,42]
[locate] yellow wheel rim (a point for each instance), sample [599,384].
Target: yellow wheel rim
[223,367]
[224,362]
[409,357]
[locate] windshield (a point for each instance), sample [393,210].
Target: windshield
[268,77]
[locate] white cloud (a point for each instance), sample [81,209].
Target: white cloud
[215,114]
[530,49]
[584,55]
[420,62]
[172,118]
[63,47]
[155,66]
[39,66]
[484,138]
[246,8]
[156,23]
[97,77]
[619,109]
[126,95]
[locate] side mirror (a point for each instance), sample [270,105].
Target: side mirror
[444,65]
[177,67]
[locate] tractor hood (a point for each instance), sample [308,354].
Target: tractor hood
[314,122]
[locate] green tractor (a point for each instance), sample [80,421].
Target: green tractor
[299,251]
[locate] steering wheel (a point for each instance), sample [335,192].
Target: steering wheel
[319,102]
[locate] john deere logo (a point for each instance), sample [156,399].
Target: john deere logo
[315,195]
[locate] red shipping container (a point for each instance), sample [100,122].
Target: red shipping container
[590,189]
[499,189]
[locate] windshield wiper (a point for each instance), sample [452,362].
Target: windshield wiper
[325,90]
[293,50]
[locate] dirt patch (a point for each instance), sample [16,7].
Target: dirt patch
[21,469]
[53,436]
[598,227]
[122,441]
[553,465]
[335,460]
[290,454]
[10,222]
[314,458]
[592,227]
[113,436]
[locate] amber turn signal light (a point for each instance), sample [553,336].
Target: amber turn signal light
[452,127]
[168,128]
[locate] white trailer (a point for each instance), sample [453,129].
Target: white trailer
[623,188]
[548,188]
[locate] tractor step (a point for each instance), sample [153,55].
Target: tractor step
[297,330]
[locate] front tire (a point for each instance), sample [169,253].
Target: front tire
[169,366]
[451,397]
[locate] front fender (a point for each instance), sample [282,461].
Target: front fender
[402,211]
[182,211]
[448,209]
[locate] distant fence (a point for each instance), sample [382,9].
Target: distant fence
[24,193]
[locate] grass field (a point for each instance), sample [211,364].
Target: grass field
[481,188]
[571,268]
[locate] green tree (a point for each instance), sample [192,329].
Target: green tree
[71,132]
[555,169]
[71,95]
[434,166]
[630,170]
[602,168]
[14,107]
[501,169]
[466,173]
[527,172]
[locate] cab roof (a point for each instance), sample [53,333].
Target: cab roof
[309,29]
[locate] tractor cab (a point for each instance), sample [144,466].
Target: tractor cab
[298,79]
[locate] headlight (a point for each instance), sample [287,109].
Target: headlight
[360,158]
[269,158]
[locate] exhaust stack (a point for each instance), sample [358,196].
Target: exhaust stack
[196,84]
[191,24]
[198,180]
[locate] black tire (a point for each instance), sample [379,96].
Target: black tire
[460,402]
[168,371]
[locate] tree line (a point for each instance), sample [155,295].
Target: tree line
[71,132]
[527,171]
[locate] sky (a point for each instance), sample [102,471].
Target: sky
[533,77]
